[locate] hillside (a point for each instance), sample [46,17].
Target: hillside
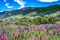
[31,11]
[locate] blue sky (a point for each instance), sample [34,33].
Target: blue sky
[17,4]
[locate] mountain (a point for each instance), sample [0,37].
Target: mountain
[31,11]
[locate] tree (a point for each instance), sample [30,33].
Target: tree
[52,20]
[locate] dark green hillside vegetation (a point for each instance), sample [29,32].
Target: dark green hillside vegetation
[28,10]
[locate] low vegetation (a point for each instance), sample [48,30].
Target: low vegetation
[35,32]
[26,21]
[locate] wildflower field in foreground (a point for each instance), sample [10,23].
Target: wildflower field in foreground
[35,32]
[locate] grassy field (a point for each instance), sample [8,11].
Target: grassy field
[58,22]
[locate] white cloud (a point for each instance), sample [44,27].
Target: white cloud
[1,11]
[4,0]
[47,0]
[7,5]
[20,2]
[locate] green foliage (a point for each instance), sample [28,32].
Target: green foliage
[5,23]
[24,21]
[52,20]
[11,38]
[35,21]
[41,20]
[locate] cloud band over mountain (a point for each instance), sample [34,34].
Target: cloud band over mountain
[47,0]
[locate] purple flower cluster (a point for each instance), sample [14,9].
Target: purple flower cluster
[20,32]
